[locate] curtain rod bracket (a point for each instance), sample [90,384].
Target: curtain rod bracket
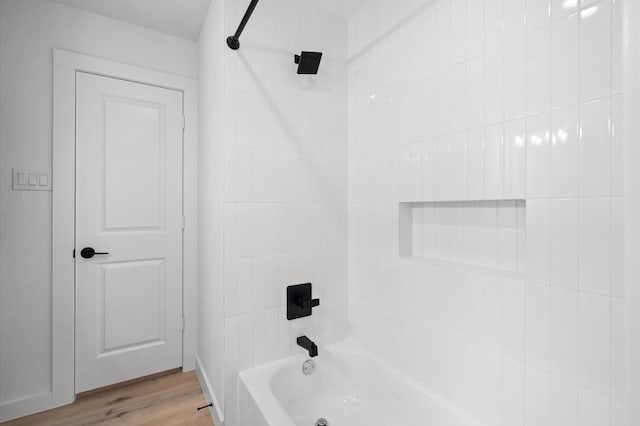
[234,41]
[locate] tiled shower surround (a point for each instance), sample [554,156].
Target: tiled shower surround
[456,102]
[285,194]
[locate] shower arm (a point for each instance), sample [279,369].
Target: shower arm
[234,41]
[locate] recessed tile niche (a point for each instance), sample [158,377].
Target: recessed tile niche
[486,234]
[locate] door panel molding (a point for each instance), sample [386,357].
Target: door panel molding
[65,65]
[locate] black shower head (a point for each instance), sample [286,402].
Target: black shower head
[308,62]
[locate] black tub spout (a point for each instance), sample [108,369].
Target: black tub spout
[306,343]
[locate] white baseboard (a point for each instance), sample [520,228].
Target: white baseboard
[216,410]
[30,405]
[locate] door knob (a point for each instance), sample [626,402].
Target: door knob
[89,252]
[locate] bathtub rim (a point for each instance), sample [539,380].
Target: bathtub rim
[273,411]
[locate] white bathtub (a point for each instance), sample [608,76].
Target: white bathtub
[348,388]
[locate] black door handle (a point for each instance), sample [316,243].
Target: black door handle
[89,252]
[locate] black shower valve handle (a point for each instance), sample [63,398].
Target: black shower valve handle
[305,303]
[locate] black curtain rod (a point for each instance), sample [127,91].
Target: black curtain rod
[234,40]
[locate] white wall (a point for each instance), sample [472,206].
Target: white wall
[631,17]
[285,184]
[456,100]
[29,30]
[210,203]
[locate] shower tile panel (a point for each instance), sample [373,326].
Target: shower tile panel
[510,309]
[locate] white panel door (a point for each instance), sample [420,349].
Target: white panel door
[129,205]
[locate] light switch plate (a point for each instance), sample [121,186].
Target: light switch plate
[31,180]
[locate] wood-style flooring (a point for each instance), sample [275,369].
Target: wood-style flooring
[168,399]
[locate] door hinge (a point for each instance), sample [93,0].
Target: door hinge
[182,323]
[184,122]
[184,222]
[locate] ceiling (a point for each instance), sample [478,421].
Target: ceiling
[182,18]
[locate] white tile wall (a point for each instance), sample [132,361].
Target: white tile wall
[565,142]
[510,99]
[285,194]
[563,243]
[563,326]
[565,58]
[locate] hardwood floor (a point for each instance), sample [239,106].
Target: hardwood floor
[169,399]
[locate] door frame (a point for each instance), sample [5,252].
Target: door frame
[65,66]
